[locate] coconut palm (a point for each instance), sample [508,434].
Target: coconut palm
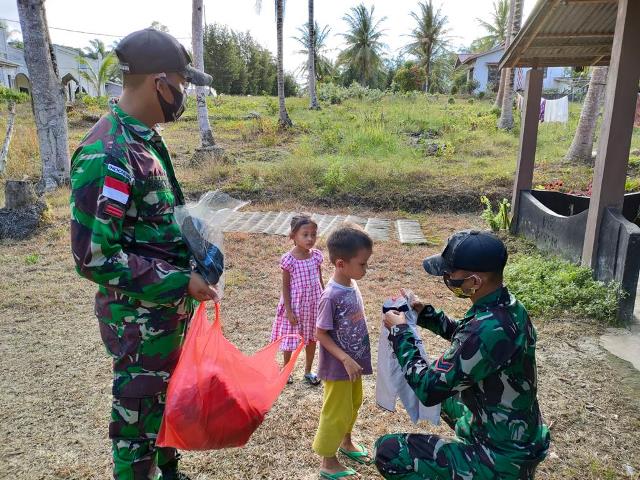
[47,94]
[96,50]
[497,27]
[313,96]
[284,121]
[506,112]
[323,67]
[429,37]
[107,70]
[581,148]
[363,53]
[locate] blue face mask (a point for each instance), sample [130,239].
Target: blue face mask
[172,111]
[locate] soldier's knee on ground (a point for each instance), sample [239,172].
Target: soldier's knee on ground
[387,453]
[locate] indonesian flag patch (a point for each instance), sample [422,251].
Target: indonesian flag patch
[116,190]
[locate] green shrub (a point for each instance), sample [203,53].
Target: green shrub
[550,287]
[11,95]
[496,221]
[451,101]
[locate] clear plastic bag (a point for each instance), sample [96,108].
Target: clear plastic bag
[201,226]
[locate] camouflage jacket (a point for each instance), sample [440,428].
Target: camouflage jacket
[492,364]
[123,233]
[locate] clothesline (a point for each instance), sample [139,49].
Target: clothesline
[556,110]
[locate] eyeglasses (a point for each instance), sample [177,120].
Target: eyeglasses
[454,282]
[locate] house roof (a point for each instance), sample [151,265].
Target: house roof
[465,58]
[564,33]
[8,63]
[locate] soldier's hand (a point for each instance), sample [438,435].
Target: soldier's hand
[393,317]
[201,290]
[414,301]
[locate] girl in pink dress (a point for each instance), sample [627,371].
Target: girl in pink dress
[302,286]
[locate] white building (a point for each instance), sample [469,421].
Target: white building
[14,73]
[483,68]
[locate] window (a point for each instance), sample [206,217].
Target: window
[9,81]
[544,72]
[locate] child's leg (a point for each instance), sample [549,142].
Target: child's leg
[356,396]
[310,353]
[335,421]
[286,357]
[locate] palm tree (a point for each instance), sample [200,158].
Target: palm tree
[429,37]
[284,121]
[47,94]
[197,45]
[581,148]
[107,70]
[313,96]
[502,13]
[363,55]
[506,112]
[323,66]
[497,27]
[96,50]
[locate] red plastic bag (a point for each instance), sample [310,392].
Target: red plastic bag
[217,396]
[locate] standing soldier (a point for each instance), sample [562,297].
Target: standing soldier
[486,381]
[125,239]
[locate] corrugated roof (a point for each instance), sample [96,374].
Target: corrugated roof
[565,33]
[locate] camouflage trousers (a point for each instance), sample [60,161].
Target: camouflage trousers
[416,457]
[144,341]
[135,423]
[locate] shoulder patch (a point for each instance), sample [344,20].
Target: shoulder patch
[119,171]
[442,365]
[116,190]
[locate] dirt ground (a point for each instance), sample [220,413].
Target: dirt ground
[55,375]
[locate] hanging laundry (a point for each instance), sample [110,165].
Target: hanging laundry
[557,110]
[543,104]
[390,381]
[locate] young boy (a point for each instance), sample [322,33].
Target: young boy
[345,352]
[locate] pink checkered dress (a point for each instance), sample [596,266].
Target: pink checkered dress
[305,295]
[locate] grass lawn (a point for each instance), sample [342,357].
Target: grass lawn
[410,153]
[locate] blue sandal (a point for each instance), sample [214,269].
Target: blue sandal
[312,379]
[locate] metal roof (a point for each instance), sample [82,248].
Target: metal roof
[565,33]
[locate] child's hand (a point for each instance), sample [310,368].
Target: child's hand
[292,318]
[414,301]
[354,370]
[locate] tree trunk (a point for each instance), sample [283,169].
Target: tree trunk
[582,146]
[313,96]
[19,194]
[7,139]
[47,94]
[197,45]
[506,113]
[284,120]
[500,95]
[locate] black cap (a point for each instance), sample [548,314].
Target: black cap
[470,250]
[152,51]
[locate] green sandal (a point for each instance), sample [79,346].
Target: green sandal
[358,456]
[333,476]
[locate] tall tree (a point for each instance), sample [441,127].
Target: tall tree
[581,148]
[498,12]
[323,67]
[313,96]
[47,93]
[96,49]
[506,113]
[429,37]
[197,45]
[496,27]
[363,53]
[284,120]
[107,70]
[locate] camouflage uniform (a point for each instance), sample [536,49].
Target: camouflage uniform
[125,239]
[486,382]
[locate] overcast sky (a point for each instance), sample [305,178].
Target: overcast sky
[119,17]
